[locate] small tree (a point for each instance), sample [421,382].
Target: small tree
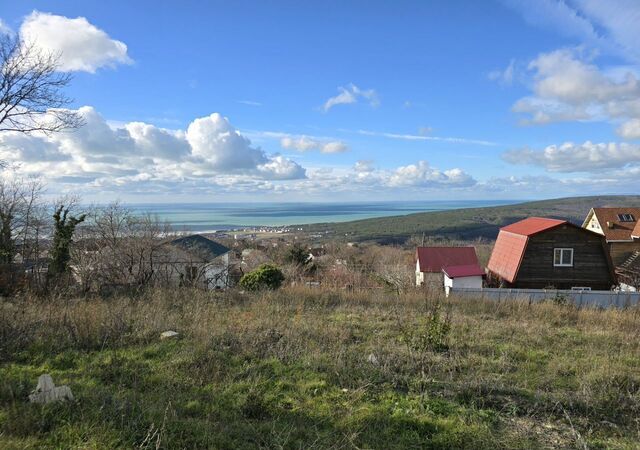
[64,227]
[267,276]
[297,255]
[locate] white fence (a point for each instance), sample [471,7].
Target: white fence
[602,299]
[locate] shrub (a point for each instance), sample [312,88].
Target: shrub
[267,276]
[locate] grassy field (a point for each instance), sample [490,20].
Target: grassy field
[469,223]
[301,369]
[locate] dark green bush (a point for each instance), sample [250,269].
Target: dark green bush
[267,276]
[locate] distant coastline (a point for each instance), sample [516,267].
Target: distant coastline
[210,217]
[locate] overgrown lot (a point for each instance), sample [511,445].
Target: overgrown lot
[311,369]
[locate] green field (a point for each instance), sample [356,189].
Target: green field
[294,369]
[467,223]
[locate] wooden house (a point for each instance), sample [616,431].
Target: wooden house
[539,253]
[621,229]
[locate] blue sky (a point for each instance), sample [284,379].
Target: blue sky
[254,100]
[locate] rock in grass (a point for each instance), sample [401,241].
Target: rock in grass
[169,335]
[373,359]
[47,392]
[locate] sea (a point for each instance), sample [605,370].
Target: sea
[209,217]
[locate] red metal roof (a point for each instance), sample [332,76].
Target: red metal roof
[468,270]
[434,259]
[532,225]
[507,255]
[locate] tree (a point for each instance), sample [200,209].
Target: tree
[298,255]
[30,90]
[64,227]
[267,276]
[20,221]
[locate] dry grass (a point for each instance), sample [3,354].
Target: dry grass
[293,368]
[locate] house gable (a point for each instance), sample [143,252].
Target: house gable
[611,222]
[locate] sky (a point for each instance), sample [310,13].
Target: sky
[337,101]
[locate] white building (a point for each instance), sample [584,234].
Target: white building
[467,276]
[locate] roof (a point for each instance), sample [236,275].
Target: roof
[617,230]
[532,225]
[507,254]
[468,270]
[200,247]
[434,259]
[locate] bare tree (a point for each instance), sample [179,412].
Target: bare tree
[31,97]
[119,248]
[20,218]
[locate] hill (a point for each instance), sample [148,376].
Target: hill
[468,223]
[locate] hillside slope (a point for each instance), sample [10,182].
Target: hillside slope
[469,223]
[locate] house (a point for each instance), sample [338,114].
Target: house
[430,262]
[621,228]
[467,276]
[540,253]
[196,260]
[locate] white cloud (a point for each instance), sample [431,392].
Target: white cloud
[421,137]
[568,86]
[138,152]
[422,174]
[363,166]
[610,26]
[306,143]
[81,45]
[215,140]
[351,94]
[570,157]
[630,129]
[504,76]
[249,103]
[5,29]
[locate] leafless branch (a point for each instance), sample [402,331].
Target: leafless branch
[31,98]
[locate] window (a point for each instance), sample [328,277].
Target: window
[563,257]
[626,218]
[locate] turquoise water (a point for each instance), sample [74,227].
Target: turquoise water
[220,216]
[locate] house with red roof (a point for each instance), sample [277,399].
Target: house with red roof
[539,253]
[455,266]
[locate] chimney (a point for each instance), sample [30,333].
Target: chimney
[610,225]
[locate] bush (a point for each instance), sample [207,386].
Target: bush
[267,276]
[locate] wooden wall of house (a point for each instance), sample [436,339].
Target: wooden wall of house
[620,251]
[590,267]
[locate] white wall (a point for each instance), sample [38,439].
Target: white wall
[474,282]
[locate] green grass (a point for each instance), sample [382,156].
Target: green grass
[290,370]
[469,223]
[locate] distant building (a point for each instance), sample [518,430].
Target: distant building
[467,276]
[196,260]
[431,261]
[620,227]
[541,253]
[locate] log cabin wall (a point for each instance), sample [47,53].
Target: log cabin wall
[590,261]
[621,251]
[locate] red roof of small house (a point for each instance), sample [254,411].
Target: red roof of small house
[511,243]
[434,259]
[468,270]
[532,225]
